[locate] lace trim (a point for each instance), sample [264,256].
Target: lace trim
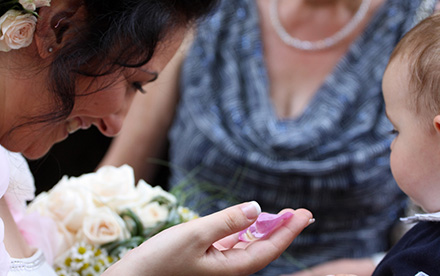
[28,264]
[422,217]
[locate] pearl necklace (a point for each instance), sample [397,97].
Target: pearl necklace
[319,44]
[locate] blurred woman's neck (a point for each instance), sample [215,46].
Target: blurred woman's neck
[318,3]
[304,18]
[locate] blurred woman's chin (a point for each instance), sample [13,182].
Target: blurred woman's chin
[35,153]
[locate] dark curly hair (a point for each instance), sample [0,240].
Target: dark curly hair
[115,34]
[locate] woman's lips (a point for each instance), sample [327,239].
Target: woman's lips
[74,124]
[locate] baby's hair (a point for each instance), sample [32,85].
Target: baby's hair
[420,50]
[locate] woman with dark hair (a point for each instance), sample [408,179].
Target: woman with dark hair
[69,64]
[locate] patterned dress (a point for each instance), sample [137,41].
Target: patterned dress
[227,144]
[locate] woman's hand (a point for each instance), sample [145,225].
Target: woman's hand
[210,246]
[340,267]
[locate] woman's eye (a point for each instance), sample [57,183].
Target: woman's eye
[138,86]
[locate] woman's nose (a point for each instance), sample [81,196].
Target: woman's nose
[111,125]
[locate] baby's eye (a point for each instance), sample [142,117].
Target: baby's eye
[394,132]
[138,86]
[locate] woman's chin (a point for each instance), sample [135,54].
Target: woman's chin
[37,151]
[35,154]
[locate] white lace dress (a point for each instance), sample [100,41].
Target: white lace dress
[34,265]
[16,185]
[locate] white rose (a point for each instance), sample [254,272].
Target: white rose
[16,30]
[42,3]
[67,203]
[32,5]
[28,4]
[39,204]
[145,194]
[152,213]
[65,240]
[103,226]
[112,186]
[159,192]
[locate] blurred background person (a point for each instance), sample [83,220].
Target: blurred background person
[281,102]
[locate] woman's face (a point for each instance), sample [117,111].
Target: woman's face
[105,109]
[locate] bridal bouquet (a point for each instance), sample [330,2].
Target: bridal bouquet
[102,215]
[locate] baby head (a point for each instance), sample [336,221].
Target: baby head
[411,89]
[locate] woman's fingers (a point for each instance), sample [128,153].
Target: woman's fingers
[227,242]
[227,222]
[260,253]
[233,241]
[189,245]
[285,235]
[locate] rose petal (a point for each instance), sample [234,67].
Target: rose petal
[264,225]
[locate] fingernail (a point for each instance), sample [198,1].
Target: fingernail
[251,209]
[312,220]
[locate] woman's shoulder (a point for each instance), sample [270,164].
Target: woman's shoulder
[230,17]
[403,14]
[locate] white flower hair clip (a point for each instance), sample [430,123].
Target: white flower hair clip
[17,22]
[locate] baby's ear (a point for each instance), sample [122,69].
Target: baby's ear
[56,24]
[436,123]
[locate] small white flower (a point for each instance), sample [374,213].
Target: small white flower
[16,30]
[186,214]
[83,259]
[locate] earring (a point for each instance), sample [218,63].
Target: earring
[59,22]
[50,50]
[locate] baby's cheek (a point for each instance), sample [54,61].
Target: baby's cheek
[394,163]
[399,171]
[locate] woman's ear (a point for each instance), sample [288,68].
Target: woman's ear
[55,24]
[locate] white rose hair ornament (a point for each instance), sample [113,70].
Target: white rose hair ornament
[17,22]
